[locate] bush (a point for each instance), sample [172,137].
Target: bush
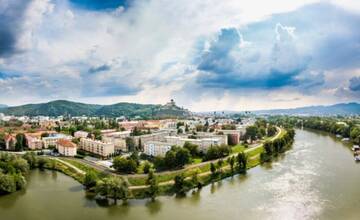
[125,165]
[217,152]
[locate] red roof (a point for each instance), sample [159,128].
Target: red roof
[66,143]
[9,137]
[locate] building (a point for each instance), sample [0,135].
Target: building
[119,143]
[66,147]
[97,147]
[233,136]
[204,143]
[10,142]
[156,148]
[47,124]
[33,142]
[118,139]
[81,134]
[155,136]
[130,125]
[51,140]
[119,134]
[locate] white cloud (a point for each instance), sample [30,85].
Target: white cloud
[148,46]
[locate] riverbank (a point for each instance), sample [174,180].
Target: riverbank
[315,179]
[201,172]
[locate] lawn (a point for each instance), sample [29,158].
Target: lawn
[237,148]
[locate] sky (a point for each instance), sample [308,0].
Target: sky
[206,55]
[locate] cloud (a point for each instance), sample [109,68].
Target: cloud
[11,15]
[354,84]
[230,64]
[100,68]
[287,50]
[192,50]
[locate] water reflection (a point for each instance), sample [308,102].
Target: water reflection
[153,207]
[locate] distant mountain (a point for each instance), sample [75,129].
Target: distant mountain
[338,109]
[63,107]
[3,106]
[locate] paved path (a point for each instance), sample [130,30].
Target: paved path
[69,165]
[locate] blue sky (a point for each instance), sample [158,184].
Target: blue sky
[235,55]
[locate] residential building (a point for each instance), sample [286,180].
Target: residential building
[118,139]
[130,125]
[119,143]
[33,142]
[155,136]
[53,138]
[66,147]
[97,147]
[81,134]
[10,142]
[156,148]
[233,135]
[204,143]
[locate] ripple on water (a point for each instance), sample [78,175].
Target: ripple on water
[293,193]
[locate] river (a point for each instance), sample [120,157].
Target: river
[316,179]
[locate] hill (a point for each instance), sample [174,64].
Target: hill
[66,108]
[337,109]
[3,106]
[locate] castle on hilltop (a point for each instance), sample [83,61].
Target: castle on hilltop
[171,103]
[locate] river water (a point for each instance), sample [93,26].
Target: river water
[316,179]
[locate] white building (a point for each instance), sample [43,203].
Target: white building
[156,148]
[81,134]
[119,143]
[97,147]
[66,147]
[34,143]
[53,138]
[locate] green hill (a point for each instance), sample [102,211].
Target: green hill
[66,108]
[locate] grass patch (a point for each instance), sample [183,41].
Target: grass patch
[238,149]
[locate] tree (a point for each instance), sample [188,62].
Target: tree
[31,159]
[195,179]
[20,142]
[44,135]
[2,141]
[213,169]
[216,152]
[251,132]
[186,128]
[170,159]
[147,167]
[271,130]
[228,127]
[41,162]
[355,134]
[90,179]
[153,189]
[7,183]
[114,188]
[220,163]
[182,157]
[242,162]
[124,165]
[180,184]
[192,148]
[20,165]
[231,161]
